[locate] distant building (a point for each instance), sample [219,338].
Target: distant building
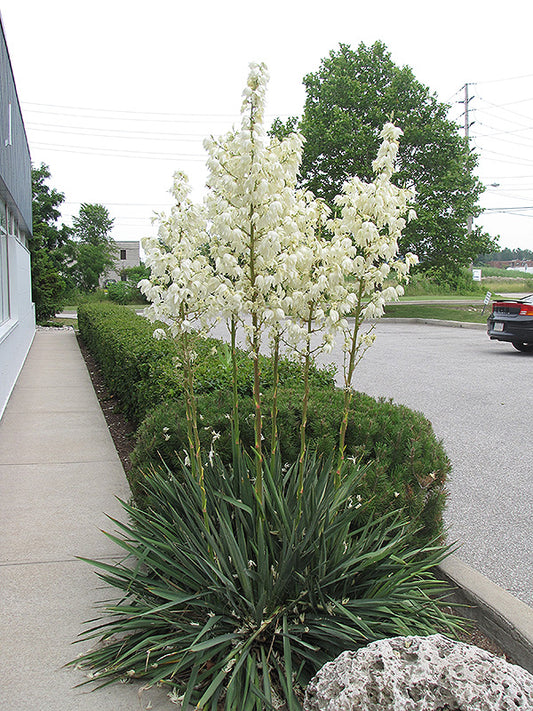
[17,312]
[127,255]
[519,265]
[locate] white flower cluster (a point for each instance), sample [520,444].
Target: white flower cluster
[181,274]
[260,246]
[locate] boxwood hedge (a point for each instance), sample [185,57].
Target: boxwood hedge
[406,466]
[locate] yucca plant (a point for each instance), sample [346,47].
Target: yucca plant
[239,611]
[240,582]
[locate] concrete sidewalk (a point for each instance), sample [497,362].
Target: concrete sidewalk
[59,473]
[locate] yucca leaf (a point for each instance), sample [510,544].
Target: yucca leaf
[232,605]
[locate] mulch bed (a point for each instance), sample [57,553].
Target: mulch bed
[120,429]
[123,435]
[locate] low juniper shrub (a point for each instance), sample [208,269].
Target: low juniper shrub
[406,466]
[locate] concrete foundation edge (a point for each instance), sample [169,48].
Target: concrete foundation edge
[502,617]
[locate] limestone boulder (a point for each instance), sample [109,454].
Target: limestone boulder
[420,674]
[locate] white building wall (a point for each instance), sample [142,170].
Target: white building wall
[18,330]
[17,314]
[127,255]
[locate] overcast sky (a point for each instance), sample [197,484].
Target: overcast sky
[117,95]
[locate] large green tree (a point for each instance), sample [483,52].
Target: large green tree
[348,100]
[94,248]
[48,247]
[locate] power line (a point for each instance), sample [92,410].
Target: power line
[140,155]
[191,119]
[111,133]
[495,81]
[505,159]
[490,178]
[142,116]
[502,107]
[124,111]
[497,131]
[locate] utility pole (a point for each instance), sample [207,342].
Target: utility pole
[466,101]
[467,119]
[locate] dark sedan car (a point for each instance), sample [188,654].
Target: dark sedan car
[513,321]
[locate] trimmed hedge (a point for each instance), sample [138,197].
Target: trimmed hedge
[143,372]
[135,366]
[406,465]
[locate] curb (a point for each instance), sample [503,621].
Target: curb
[426,321]
[500,615]
[437,322]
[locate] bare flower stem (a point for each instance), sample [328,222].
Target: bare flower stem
[236,419]
[192,417]
[274,411]
[348,376]
[305,403]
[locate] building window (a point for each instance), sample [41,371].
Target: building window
[4,275]
[123,254]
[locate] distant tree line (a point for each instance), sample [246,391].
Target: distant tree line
[505,255]
[65,258]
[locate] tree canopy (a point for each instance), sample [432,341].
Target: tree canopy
[48,247]
[349,99]
[93,225]
[94,248]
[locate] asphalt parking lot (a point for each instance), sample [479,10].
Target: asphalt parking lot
[477,394]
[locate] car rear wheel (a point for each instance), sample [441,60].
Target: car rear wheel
[523,347]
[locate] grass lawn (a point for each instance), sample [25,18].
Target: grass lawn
[468,313]
[74,307]
[444,297]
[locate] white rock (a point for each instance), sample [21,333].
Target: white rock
[420,674]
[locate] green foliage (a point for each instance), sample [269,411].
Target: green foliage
[510,274]
[136,367]
[348,100]
[465,313]
[93,225]
[406,465]
[48,287]
[505,255]
[91,262]
[126,291]
[48,247]
[509,285]
[143,372]
[74,297]
[432,282]
[94,250]
[123,292]
[238,607]
[135,274]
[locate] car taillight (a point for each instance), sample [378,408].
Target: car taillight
[526,309]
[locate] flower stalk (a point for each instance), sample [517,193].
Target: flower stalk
[262,255]
[274,408]
[305,403]
[235,381]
